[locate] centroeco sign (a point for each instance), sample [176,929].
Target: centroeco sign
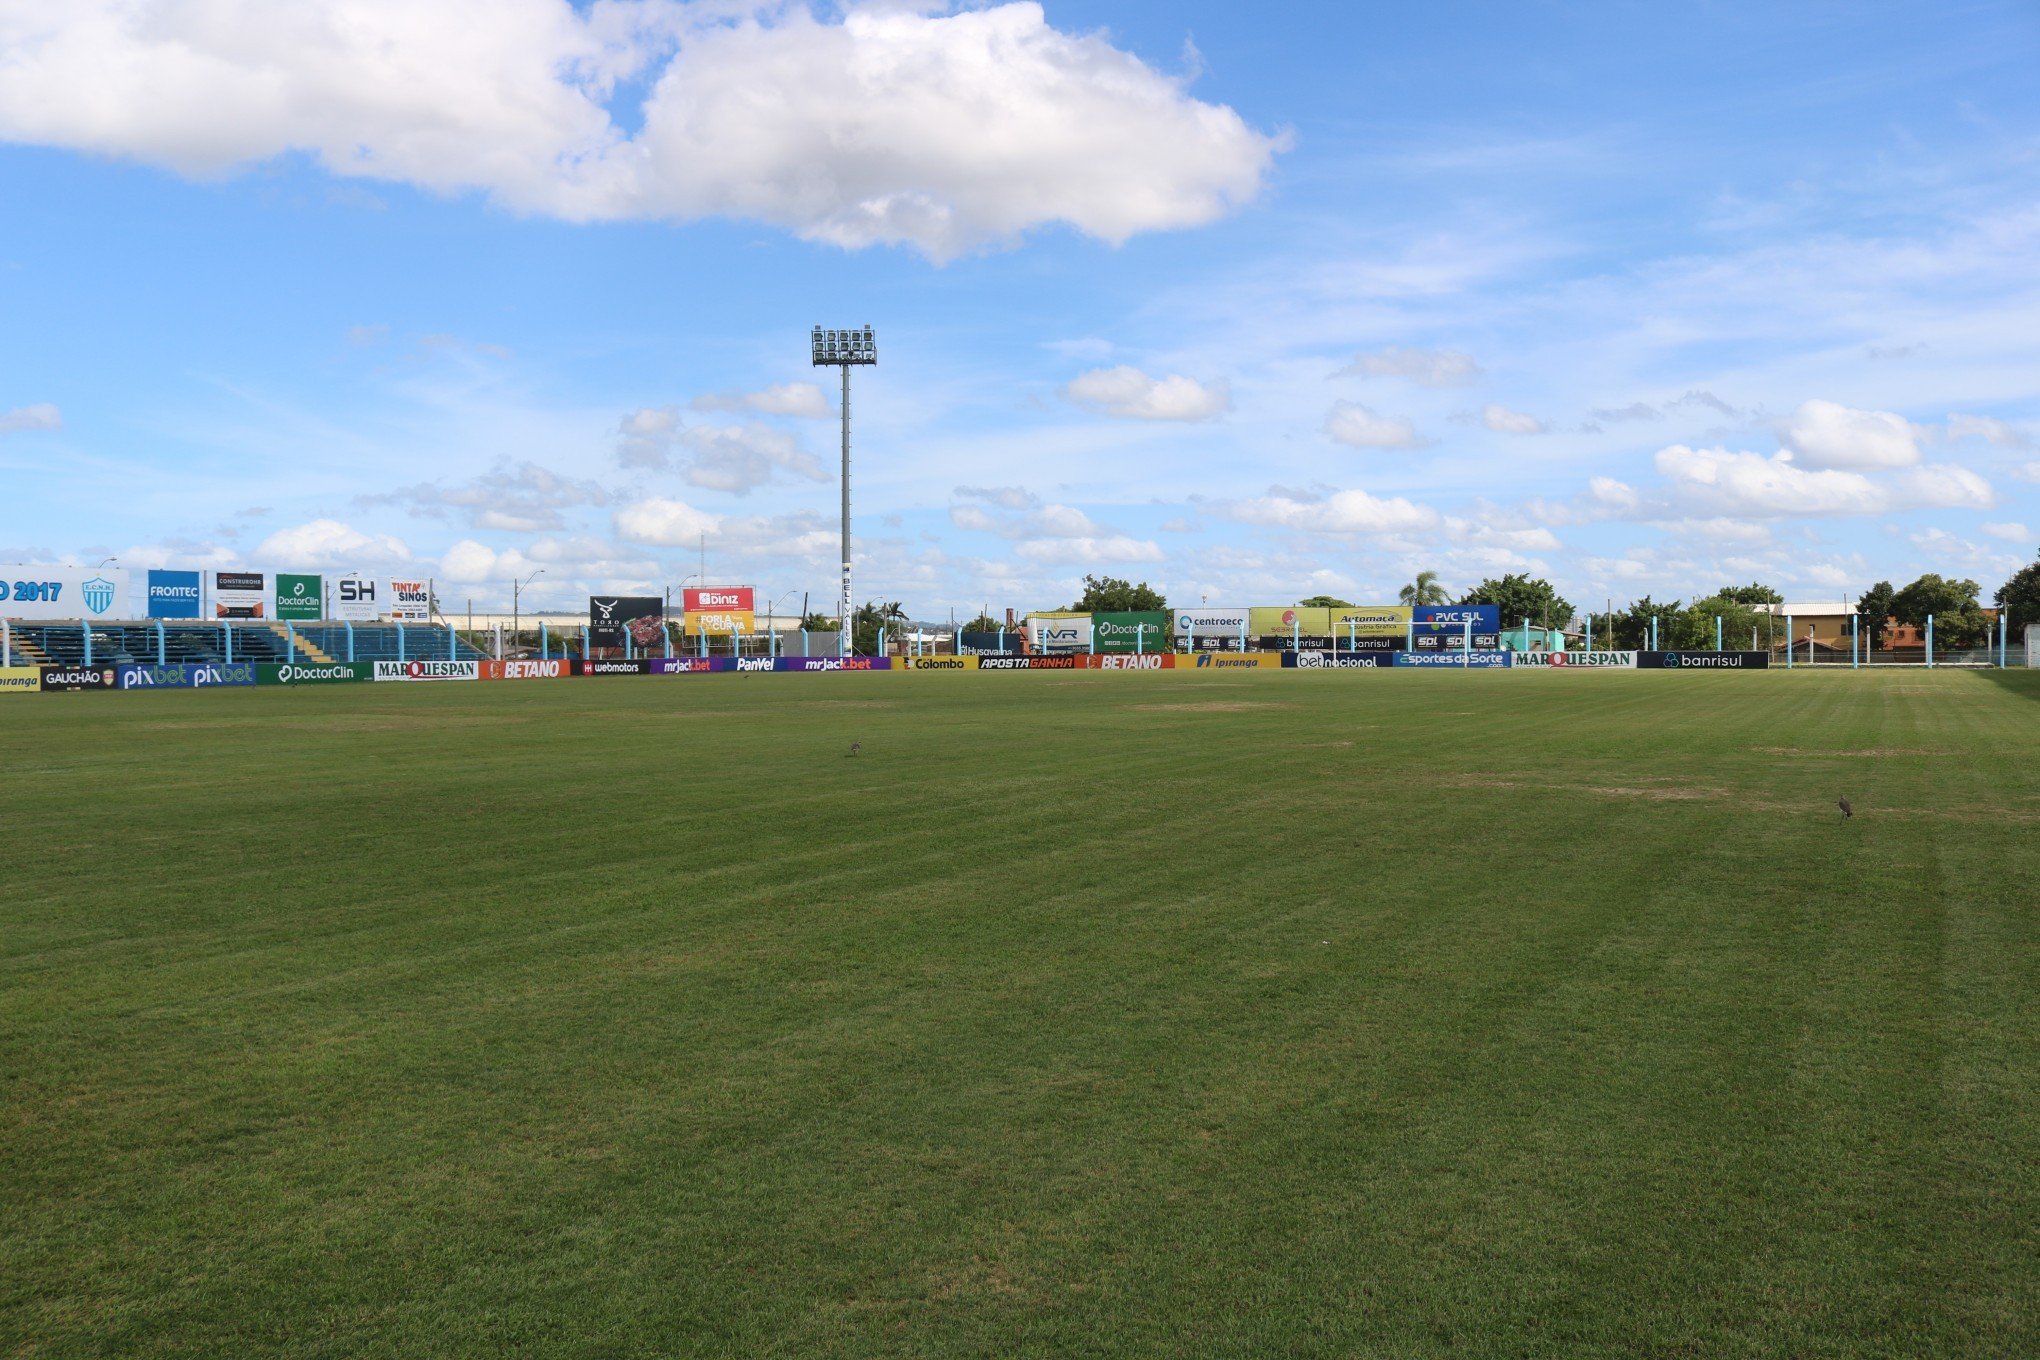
[720,609]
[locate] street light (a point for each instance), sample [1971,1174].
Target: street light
[107,562]
[516,595]
[844,349]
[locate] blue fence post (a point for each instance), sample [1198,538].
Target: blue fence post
[701,643]
[1296,635]
[803,640]
[584,642]
[1855,631]
[1410,632]
[228,630]
[544,642]
[290,642]
[1930,641]
[1590,632]
[162,645]
[1717,632]
[629,653]
[1243,633]
[350,642]
[666,637]
[1788,642]
[86,629]
[2004,635]
[452,642]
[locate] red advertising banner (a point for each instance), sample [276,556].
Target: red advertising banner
[719,600]
[532,669]
[1120,661]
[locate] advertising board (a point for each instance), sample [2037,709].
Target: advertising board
[173,595]
[1141,631]
[356,598]
[720,609]
[750,665]
[1120,661]
[613,666]
[75,677]
[63,592]
[1452,618]
[1289,622]
[1230,661]
[528,668]
[939,663]
[1452,642]
[19,680]
[1704,661]
[1311,661]
[1372,620]
[1059,632]
[706,665]
[299,597]
[1573,661]
[640,619]
[428,670]
[833,663]
[1383,643]
[1291,642]
[996,644]
[1209,627]
[314,672]
[1030,663]
[1475,661]
[240,595]
[410,601]
[185,675]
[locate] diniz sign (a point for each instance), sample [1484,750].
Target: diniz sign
[720,609]
[428,670]
[1570,661]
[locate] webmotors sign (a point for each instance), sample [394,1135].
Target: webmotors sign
[612,666]
[1704,661]
[300,598]
[1574,661]
[20,680]
[240,595]
[410,602]
[356,599]
[428,670]
[63,592]
[720,610]
[529,668]
[1475,661]
[185,675]
[174,595]
[75,677]
[314,673]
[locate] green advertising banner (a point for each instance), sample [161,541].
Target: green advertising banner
[1141,631]
[300,597]
[314,672]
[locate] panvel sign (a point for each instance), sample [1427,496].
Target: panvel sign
[63,592]
[720,609]
[1453,618]
[173,595]
[240,595]
[410,602]
[1138,631]
[300,598]
[356,599]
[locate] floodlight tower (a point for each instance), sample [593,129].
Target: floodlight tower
[845,349]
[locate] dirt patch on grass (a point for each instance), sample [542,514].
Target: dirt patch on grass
[1868,753]
[1668,793]
[1208,706]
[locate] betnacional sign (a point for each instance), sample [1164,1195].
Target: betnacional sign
[1704,661]
[173,595]
[1311,661]
[300,598]
[1573,661]
[240,595]
[428,670]
[410,602]
[720,610]
[357,598]
[63,592]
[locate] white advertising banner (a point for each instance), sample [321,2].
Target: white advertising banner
[1059,635]
[32,592]
[1209,623]
[410,601]
[1575,661]
[240,595]
[428,670]
[357,598]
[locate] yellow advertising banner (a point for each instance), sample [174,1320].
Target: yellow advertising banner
[1371,620]
[721,621]
[938,663]
[1287,622]
[19,680]
[1230,661]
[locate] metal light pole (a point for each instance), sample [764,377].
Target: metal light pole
[517,597]
[844,349]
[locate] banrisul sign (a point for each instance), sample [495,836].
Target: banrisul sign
[315,673]
[186,675]
[1704,661]
[299,597]
[1138,631]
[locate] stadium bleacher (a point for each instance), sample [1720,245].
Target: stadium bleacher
[113,644]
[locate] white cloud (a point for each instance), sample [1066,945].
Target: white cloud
[524,498]
[1341,512]
[2028,472]
[1940,486]
[802,399]
[665,523]
[733,458]
[1426,367]
[1502,420]
[567,564]
[644,438]
[1823,434]
[1987,429]
[1126,391]
[2010,533]
[945,132]
[1352,424]
[329,543]
[41,416]
[1090,551]
[1754,485]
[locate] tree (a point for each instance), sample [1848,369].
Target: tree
[1324,602]
[1425,590]
[1695,629]
[2019,597]
[821,623]
[1523,597]
[1630,629]
[983,623]
[1875,607]
[867,622]
[1750,594]
[1112,595]
[1959,620]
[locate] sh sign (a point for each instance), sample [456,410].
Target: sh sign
[354,599]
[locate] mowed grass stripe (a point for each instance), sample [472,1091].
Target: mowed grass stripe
[1102,1014]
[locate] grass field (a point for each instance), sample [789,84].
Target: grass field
[1351,1014]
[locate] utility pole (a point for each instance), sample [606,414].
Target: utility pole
[843,349]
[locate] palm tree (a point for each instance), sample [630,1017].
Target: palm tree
[1426,590]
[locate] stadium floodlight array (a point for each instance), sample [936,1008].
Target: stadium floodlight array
[845,349]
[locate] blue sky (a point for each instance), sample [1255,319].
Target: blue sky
[1642,299]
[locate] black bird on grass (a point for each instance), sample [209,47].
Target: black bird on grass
[1847,811]
[855,747]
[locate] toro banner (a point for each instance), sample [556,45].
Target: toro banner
[355,599]
[614,618]
[301,598]
[410,602]
[1574,661]
[314,673]
[1704,661]
[1144,631]
[240,595]
[173,595]
[185,675]
[63,592]
[530,668]
[720,610]
[428,670]
[1476,661]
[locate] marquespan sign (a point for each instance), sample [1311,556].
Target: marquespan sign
[1137,631]
[1311,661]
[32,592]
[240,595]
[939,663]
[300,598]
[1704,661]
[185,675]
[357,598]
[528,668]
[410,602]
[314,673]
[1230,661]
[1476,661]
[428,670]
[1372,620]
[720,610]
[173,595]
[19,680]
[1574,661]
[1453,618]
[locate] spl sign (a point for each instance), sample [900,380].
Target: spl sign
[720,609]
